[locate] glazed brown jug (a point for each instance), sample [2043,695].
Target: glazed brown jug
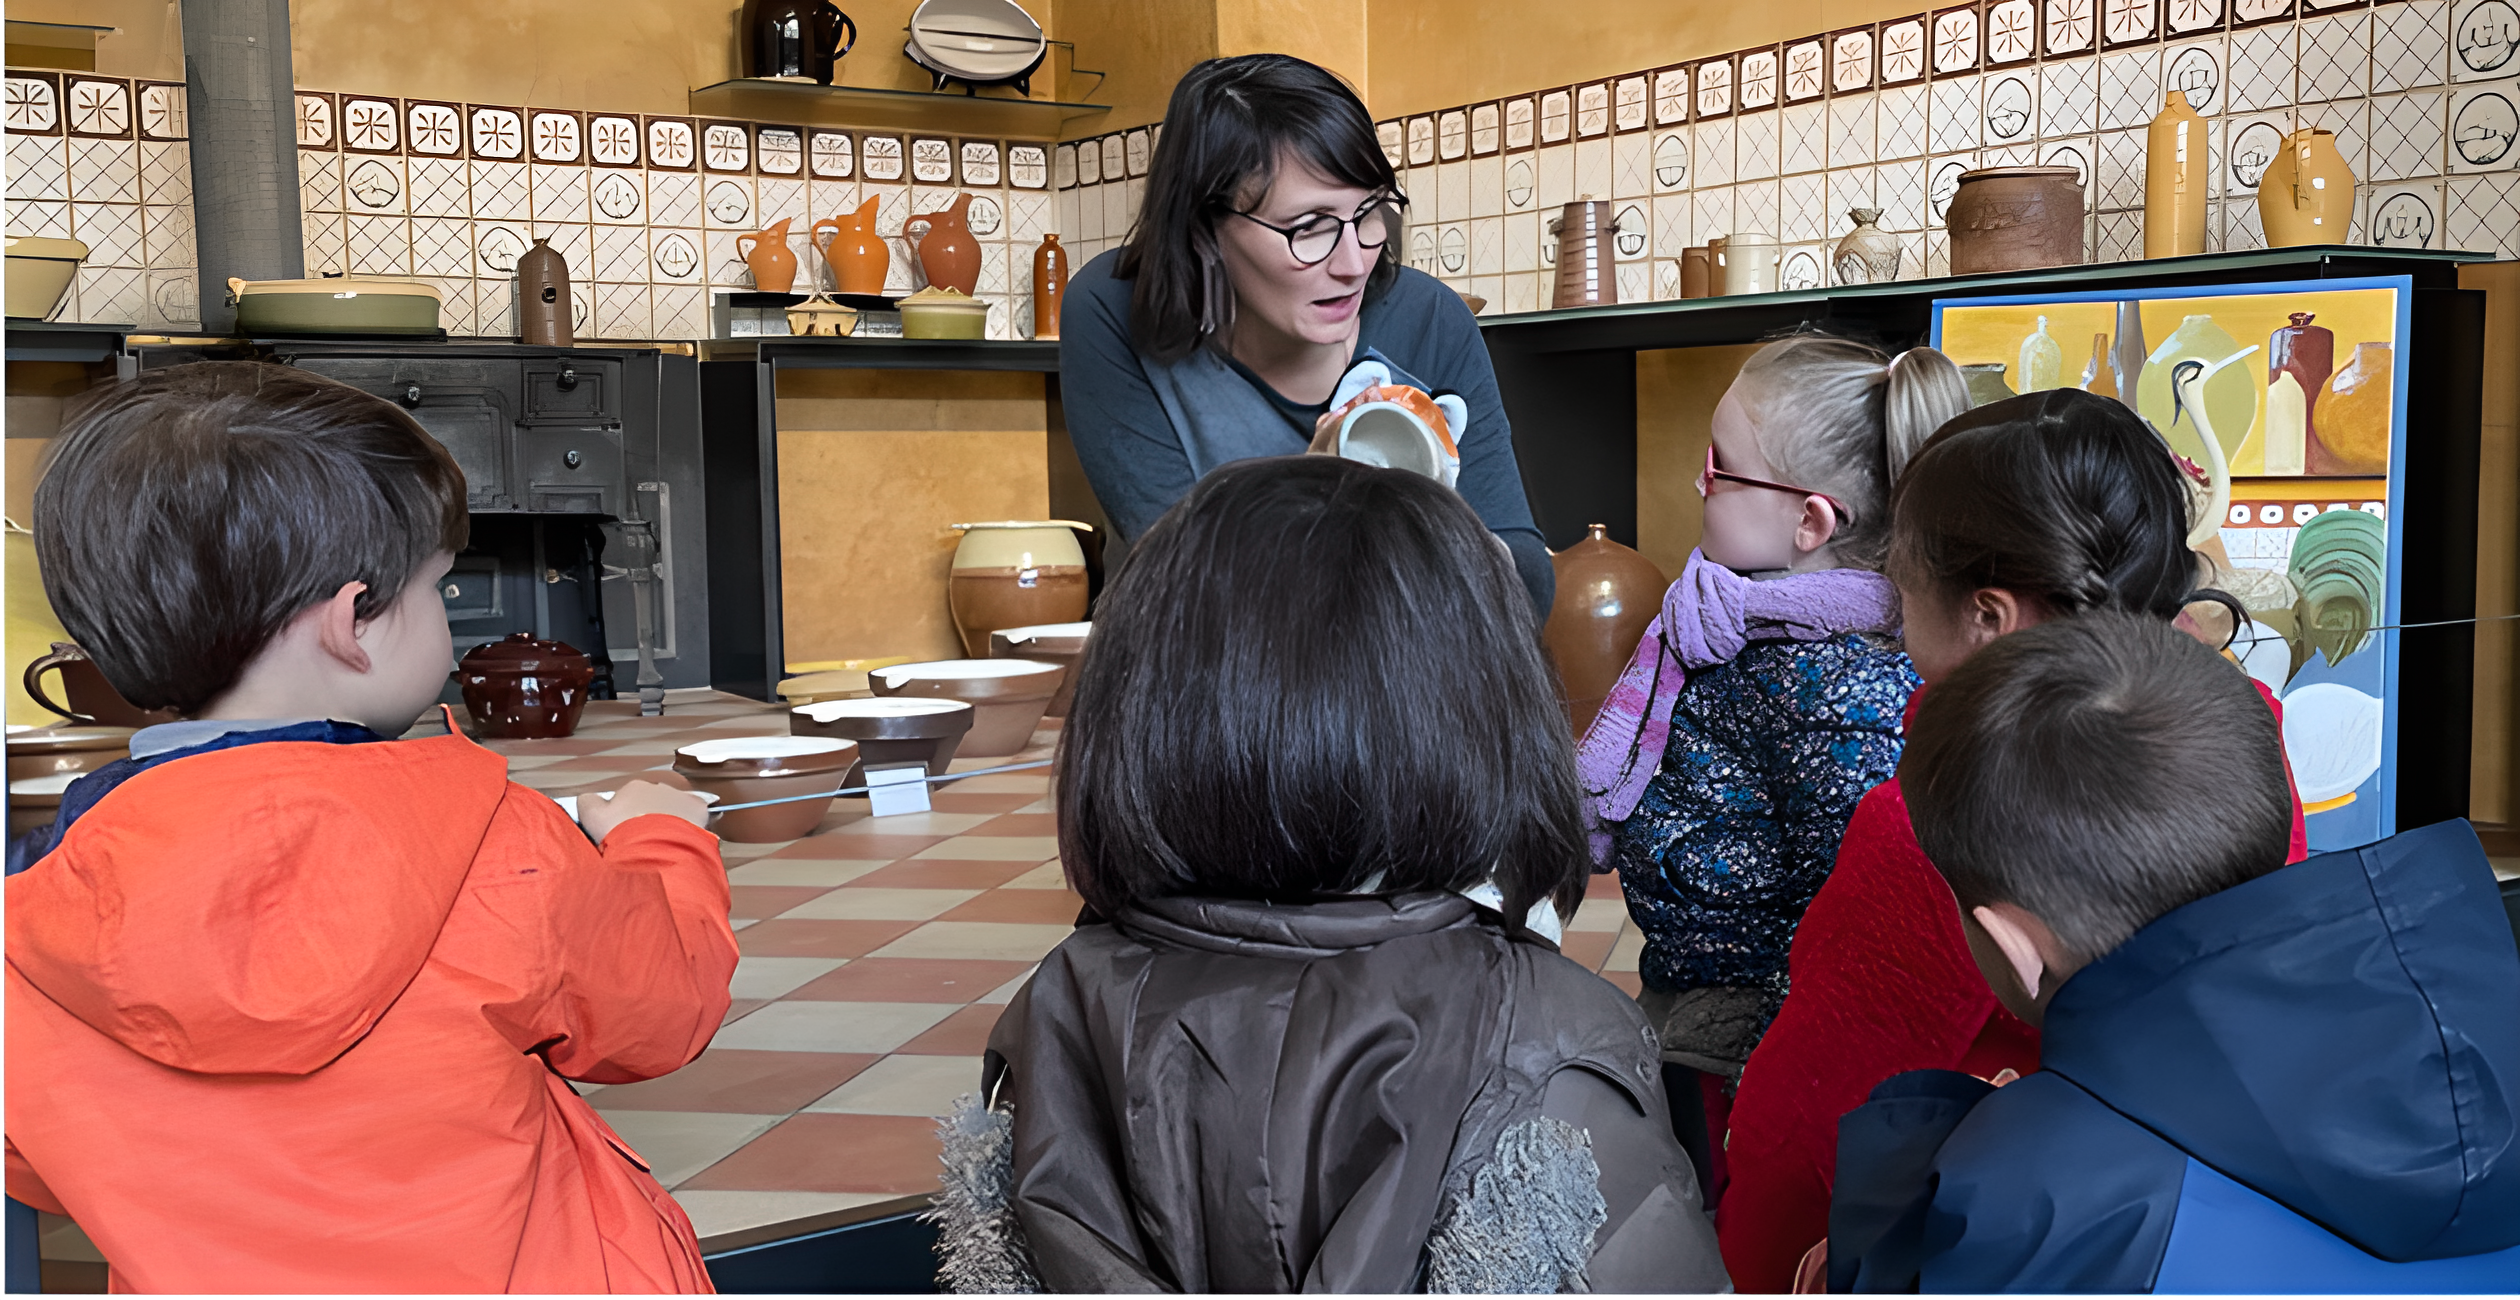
[1606,596]
[858,256]
[544,316]
[92,698]
[773,263]
[1050,274]
[948,254]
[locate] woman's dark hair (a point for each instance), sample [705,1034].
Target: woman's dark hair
[187,515]
[2061,496]
[1316,677]
[1229,123]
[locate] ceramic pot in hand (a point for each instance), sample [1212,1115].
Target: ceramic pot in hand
[1015,573]
[521,688]
[900,729]
[1606,595]
[92,699]
[746,769]
[1007,696]
[1394,426]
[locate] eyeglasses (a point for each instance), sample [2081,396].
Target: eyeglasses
[1312,239]
[1707,476]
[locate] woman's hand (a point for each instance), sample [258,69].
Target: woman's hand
[600,815]
[1325,435]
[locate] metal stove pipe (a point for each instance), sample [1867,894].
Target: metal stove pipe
[242,99]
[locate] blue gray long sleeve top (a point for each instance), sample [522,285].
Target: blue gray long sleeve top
[1135,460]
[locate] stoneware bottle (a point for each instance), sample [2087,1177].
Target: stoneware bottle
[1050,275]
[544,314]
[1606,595]
[2307,193]
[858,257]
[2042,360]
[2299,359]
[948,255]
[767,253]
[2175,159]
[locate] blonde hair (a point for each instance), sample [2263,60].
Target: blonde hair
[1842,417]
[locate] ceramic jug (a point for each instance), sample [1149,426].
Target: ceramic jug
[2175,159]
[1585,274]
[1050,274]
[795,39]
[2299,359]
[1868,254]
[1015,573]
[767,253]
[92,699]
[1393,426]
[1746,263]
[1697,266]
[2352,433]
[948,255]
[544,315]
[2307,193]
[2042,360]
[859,258]
[2231,393]
[1607,595]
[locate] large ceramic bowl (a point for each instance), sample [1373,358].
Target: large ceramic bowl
[58,751]
[40,271]
[1053,643]
[1007,696]
[898,729]
[744,769]
[943,314]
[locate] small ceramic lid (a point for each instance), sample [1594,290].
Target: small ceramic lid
[752,756]
[522,652]
[887,718]
[60,740]
[43,789]
[936,299]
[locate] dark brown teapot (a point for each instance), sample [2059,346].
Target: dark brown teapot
[521,688]
[92,698]
[795,38]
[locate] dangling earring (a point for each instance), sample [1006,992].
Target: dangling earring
[1216,312]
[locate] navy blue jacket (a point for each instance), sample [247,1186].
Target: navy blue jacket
[2310,1082]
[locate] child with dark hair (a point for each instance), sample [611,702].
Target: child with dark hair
[2256,1080]
[1314,1033]
[2046,506]
[292,1005]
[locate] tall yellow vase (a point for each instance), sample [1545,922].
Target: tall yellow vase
[2175,161]
[2307,193]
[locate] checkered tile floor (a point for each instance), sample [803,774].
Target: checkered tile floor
[876,956]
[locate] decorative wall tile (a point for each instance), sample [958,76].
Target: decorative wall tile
[2348,120]
[1634,238]
[2335,59]
[1757,80]
[2249,148]
[1592,110]
[612,140]
[1115,158]
[1851,61]
[39,168]
[1714,88]
[501,191]
[2190,17]
[34,103]
[434,129]
[2410,45]
[1806,71]
[2070,27]
[1452,135]
[881,157]
[931,161]
[318,125]
[1487,130]
[1956,42]
[560,193]
[673,144]
[675,255]
[2075,153]
[1628,109]
[1671,96]
[2130,87]
[1802,269]
[2249,12]
[2485,126]
[2129,22]
[1521,184]
[2012,108]
[725,201]
[104,171]
[1904,56]
[1714,149]
[2012,32]
[2263,62]
[374,185]
[1521,120]
[2484,43]
[1942,180]
[2484,214]
[1592,168]
[379,245]
[2119,178]
[1755,207]
[1712,212]
[2069,97]
[1137,151]
[1027,167]
[779,151]
[175,297]
[45,219]
[1803,137]
[618,198]
[1956,117]
[1851,130]
[111,231]
[441,247]
[370,125]
[1390,135]
[557,137]
[1672,226]
[2406,215]
[1632,166]
[1756,146]
[96,107]
[1899,122]
[1848,188]
[166,173]
[497,133]
[620,254]
[2196,68]
[1899,191]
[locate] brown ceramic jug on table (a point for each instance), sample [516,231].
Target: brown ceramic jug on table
[92,698]
[858,256]
[1606,596]
[773,263]
[521,688]
[1050,276]
[948,254]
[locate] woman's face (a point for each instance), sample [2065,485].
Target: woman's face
[1314,304]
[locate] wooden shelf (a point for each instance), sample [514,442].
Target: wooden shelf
[808,104]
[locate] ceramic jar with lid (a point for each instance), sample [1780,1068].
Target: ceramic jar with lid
[1606,596]
[2015,219]
[523,688]
[1015,573]
[748,769]
[1007,696]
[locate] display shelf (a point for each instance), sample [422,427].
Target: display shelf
[811,104]
[39,340]
[795,352]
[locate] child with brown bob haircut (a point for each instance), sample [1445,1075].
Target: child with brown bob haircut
[2254,1077]
[292,1005]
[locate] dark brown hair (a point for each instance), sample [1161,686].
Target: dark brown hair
[1229,122]
[1316,677]
[2098,772]
[2062,496]
[188,514]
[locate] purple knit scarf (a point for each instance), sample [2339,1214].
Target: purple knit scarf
[1707,617]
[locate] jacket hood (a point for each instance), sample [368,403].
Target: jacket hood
[2341,1035]
[255,910]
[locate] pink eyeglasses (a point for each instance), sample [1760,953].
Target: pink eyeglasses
[1707,476]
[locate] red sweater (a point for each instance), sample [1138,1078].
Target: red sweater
[1882,983]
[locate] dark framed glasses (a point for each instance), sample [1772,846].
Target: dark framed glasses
[1707,476]
[1313,239]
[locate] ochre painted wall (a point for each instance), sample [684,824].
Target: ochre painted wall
[148,40]
[2494,774]
[1143,45]
[1328,32]
[1676,393]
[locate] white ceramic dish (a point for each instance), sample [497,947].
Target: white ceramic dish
[756,747]
[889,707]
[2332,737]
[961,670]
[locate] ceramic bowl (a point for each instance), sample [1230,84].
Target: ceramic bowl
[943,314]
[40,271]
[1007,696]
[899,729]
[1054,643]
[35,801]
[56,751]
[742,769]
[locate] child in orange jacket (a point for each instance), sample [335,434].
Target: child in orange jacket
[292,1006]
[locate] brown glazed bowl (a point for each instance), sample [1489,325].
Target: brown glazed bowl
[742,769]
[524,689]
[1007,696]
[901,729]
[54,751]
[1050,643]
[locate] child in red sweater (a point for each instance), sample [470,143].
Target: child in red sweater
[2030,509]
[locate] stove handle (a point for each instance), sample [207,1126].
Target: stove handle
[410,396]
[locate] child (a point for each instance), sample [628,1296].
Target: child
[1755,714]
[2027,509]
[2257,1080]
[291,1004]
[1314,1033]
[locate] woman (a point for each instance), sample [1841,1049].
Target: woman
[1264,263]
[1314,1033]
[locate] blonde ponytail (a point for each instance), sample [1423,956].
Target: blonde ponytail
[1926,391]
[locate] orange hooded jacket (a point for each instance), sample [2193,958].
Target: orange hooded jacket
[296,1017]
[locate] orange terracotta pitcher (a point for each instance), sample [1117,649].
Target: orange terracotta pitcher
[773,263]
[948,254]
[858,256]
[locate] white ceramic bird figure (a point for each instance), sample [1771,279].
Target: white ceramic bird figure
[2187,391]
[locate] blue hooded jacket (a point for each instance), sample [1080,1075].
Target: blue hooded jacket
[2308,1082]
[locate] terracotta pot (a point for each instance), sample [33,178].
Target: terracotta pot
[1050,276]
[92,698]
[2306,195]
[1007,696]
[521,688]
[896,730]
[1586,276]
[1051,643]
[1868,254]
[742,769]
[545,317]
[948,254]
[65,751]
[2015,219]
[1606,595]
[773,263]
[2352,436]
[2175,158]
[859,258]
[1015,573]
[1697,266]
